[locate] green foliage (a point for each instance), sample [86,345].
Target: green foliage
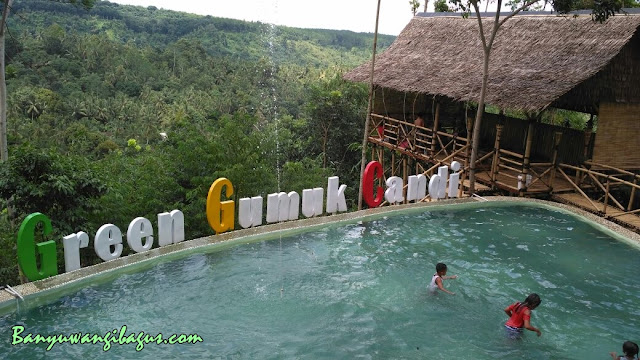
[441,6]
[59,186]
[414,4]
[136,111]
[600,9]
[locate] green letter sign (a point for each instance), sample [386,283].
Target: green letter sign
[27,249]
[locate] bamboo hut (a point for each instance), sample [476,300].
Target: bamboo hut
[538,62]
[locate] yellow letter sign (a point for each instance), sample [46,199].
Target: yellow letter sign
[220,214]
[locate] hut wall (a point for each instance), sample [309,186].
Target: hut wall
[615,83]
[405,106]
[514,137]
[399,105]
[618,137]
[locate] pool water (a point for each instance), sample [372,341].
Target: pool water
[360,291]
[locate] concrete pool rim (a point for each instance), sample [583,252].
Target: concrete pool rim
[56,286]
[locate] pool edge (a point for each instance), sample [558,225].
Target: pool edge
[206,244]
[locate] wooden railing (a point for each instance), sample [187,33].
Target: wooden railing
[602,184]
[418,141]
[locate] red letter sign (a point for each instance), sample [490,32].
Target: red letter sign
[371,172]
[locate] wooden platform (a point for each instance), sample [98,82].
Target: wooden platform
[509,182]
[612,213]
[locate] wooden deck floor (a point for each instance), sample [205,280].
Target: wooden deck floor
[509,182]
[612,213]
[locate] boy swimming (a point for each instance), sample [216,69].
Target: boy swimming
[436,280]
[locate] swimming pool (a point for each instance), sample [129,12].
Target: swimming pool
[358,290]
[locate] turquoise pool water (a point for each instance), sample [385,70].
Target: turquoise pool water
[360,291]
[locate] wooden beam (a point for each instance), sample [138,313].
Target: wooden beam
[404,177]
[554,160]
[496,156]
[579,190]
[436,120]
[621,171]
[633,195]
[602,187]
[599,174]
[606,197]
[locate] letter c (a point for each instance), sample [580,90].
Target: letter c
[371,172]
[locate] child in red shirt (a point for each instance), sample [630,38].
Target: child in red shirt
[520,314]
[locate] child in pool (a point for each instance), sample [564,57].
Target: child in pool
[436,280]
[630,350]
[519,315]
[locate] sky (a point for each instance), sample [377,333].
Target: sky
[354,15]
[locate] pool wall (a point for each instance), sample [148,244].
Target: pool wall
[42,291]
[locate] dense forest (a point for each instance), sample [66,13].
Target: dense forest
[118,112]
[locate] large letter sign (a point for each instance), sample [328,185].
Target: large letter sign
[220,214]
[27,249]
[416,187]
[438,183]
[335,196]
[312,201]
[394,190]
[250,212]
[371,172]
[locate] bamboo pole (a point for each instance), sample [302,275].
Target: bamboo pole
[621,171]
[393,163]
[579,190]
[603,188]
[436,120]
[466,154]
[495,168]
[527,155]
[626,213]
[381,158]
[601,175]
[404,177]
[554,160]
[369,108]
[606,196]
[633,195]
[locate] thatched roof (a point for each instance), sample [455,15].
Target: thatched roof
[535,59]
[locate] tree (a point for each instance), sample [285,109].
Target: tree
[415,4]
[6,9]
[441,6]
[600,12]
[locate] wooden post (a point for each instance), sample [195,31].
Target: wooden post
[527,155]
[606,197]
[365,138]
[587,142]
[404,177]
[393,163]
[466,155]
[633,194]
[436,120]
[554,160]
[381,157]
[495,164]
[587,137]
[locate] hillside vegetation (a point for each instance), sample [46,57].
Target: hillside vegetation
[120,112]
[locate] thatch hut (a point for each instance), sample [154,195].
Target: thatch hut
[538,61]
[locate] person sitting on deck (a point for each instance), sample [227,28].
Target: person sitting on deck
[418,122]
